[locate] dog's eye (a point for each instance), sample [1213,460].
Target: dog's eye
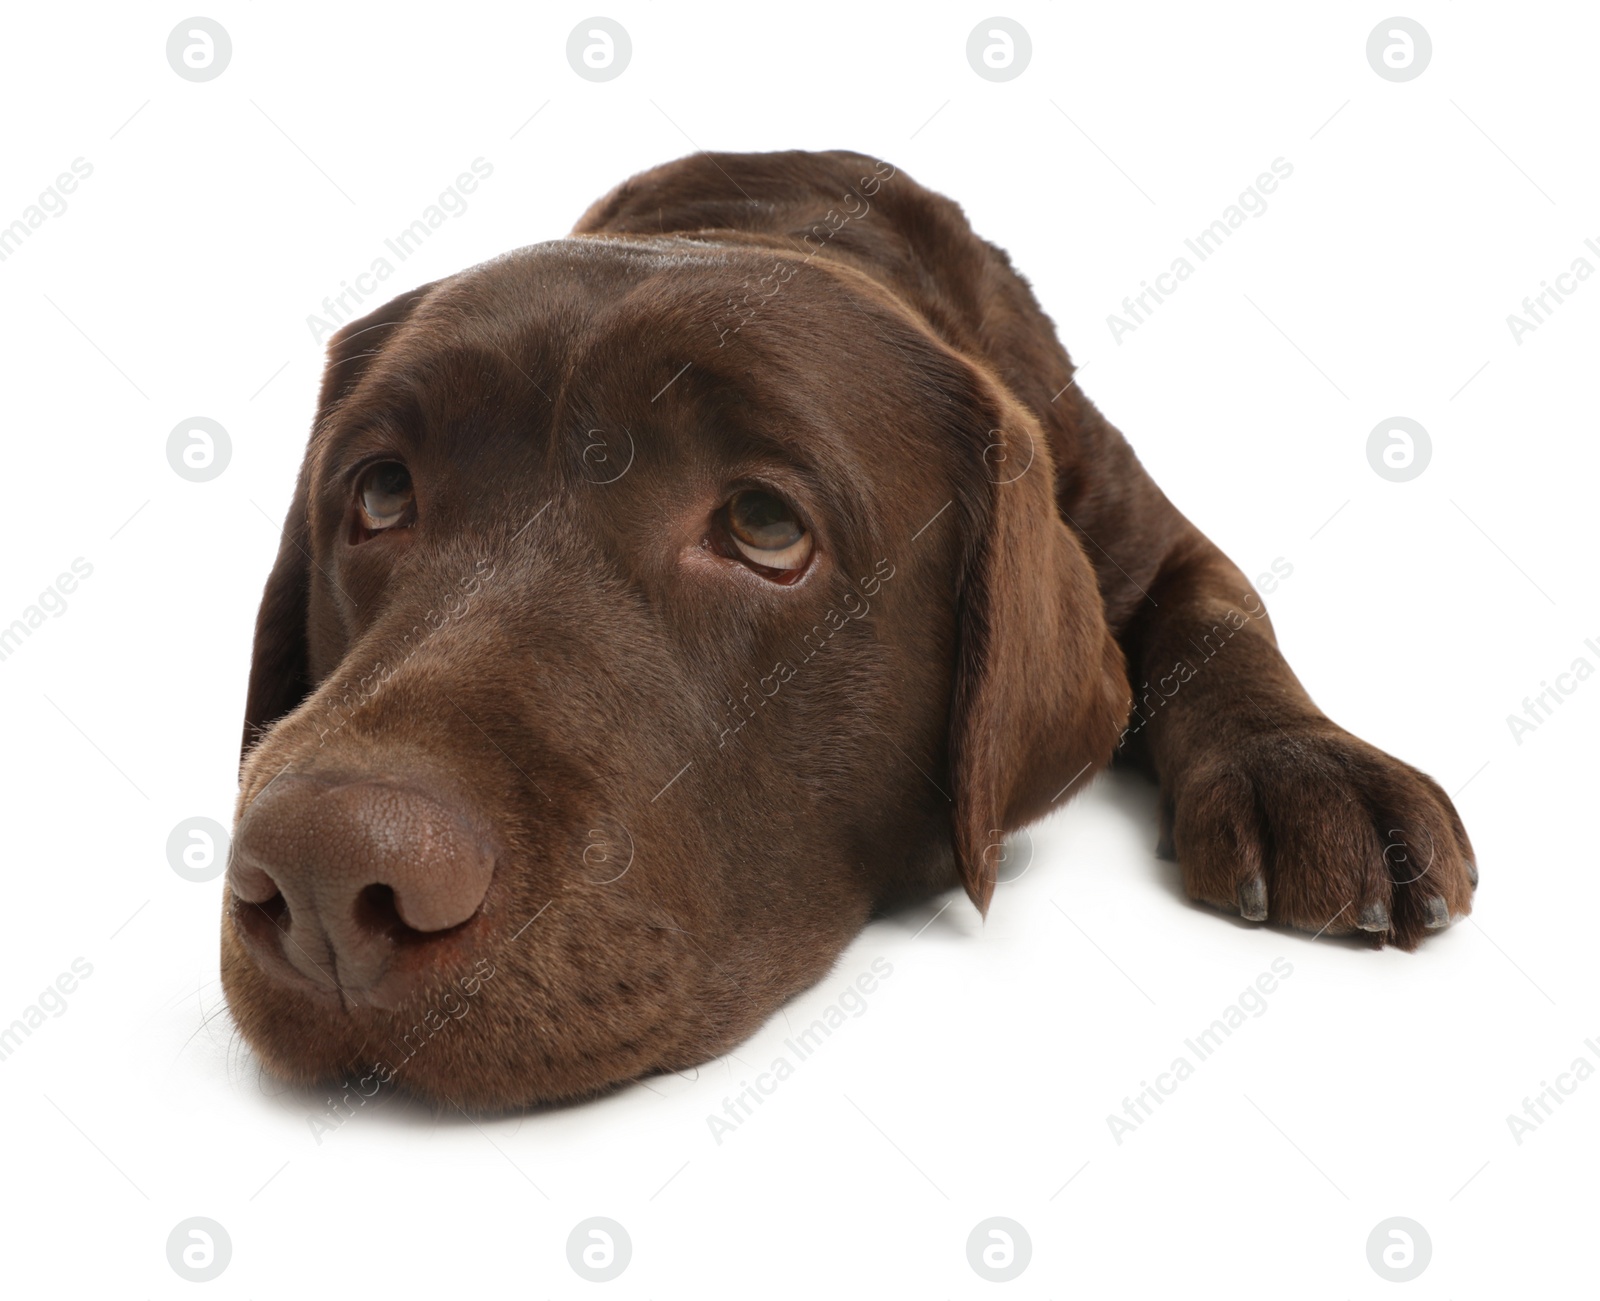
[766,530]
[385,497]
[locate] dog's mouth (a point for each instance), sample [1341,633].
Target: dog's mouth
[494,1019]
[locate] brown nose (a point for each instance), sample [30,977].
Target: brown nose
[354,882]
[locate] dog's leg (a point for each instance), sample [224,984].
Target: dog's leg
[1273,810]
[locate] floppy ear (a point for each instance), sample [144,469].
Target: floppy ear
[1041,694]
[279,679]
[279,668]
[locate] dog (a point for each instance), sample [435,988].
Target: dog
[659,604]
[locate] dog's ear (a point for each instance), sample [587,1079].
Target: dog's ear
[280,675]
[1041,693]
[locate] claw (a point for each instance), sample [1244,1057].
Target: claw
[1374,917]
[1472,873]
[1253,899]
[1437,913]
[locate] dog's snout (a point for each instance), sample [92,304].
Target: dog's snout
[354,882]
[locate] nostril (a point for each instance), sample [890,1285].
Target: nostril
[264,924]
[377,912]
[249,882]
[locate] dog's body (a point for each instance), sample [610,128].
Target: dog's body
[540,746]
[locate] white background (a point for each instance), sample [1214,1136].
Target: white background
[978,1082]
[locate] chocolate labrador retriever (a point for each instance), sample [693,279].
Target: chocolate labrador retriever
[660,603]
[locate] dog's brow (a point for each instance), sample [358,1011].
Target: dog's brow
[389,406]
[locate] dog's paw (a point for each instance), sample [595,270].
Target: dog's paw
[1303,824]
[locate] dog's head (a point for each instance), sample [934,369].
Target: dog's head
[626,649]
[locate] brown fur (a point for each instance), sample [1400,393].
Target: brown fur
[997,584]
